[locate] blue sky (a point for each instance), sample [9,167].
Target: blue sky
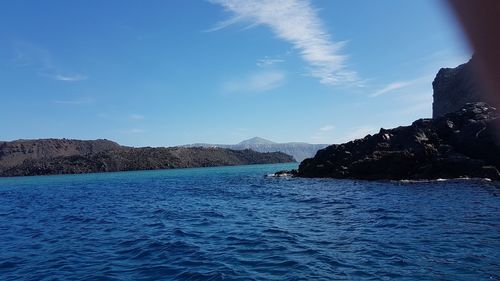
[162,73]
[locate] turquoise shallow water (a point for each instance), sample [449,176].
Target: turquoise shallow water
[232,223]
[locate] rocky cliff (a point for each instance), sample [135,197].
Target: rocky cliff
[15,152]
[458,144]
[54,156]
[453,88]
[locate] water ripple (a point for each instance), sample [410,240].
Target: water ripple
[233,223]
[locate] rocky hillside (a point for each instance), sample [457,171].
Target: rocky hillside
[44,157]
[16,152]
[459,144]
[453,88]
[299,150]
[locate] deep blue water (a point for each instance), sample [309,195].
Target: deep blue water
[234,223]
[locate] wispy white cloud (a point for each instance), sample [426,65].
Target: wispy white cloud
[68,78]
[136,117]
[297,22]
[30,55]
[257,82]
[324,134]
[267,61]
[327,128]
[74,102]
[423,81]
[225,23]
[391,87]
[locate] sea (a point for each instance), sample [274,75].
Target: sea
[236,223]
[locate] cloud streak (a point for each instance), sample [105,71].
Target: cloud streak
[257,82]
[296,22]
[69,78]
[30,55]
[324,134]
[327,128]
[392,87]
[421,81]
[267,61]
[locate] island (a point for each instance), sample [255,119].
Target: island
[65,156]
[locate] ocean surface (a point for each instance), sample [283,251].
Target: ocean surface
[233,223]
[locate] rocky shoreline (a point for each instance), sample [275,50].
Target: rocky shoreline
[461,144]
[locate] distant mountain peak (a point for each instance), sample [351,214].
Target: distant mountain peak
[255,141]
[299,150]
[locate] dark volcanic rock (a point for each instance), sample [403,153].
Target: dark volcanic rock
[44,157]
[14,153]
[453,88]
[459,144]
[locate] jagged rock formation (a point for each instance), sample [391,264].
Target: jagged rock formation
[299,150]
[55,156]
[453,88]
[459,144]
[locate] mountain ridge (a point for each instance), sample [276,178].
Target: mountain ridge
[299,150]
[255,140]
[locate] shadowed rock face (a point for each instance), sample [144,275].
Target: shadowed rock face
[459,144]
[53,156]
[453,88]
[13,153]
